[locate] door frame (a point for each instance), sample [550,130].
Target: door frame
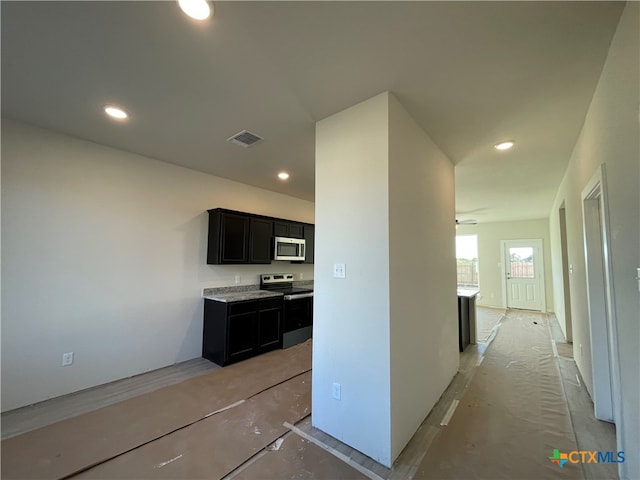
[603,327]
[538,262]
[566,271]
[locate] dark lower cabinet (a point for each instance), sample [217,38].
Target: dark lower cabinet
[269,324]
[241,331]
[235,331]
[466,320]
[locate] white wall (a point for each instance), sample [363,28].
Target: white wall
[610,135]
[424,318]
[388,332]
[491,258]
[104,254]
[351,315]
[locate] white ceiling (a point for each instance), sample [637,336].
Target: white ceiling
[470,73]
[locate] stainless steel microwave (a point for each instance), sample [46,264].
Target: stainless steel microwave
[288,249]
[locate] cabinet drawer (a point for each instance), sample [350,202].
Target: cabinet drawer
[268,303]
[238,308]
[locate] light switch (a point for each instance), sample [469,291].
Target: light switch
[339,270]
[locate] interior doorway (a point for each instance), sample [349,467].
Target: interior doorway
[602,319]
[566,271]
[523,285]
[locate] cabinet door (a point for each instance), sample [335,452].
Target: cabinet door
[214,331]
[283,228]
[296,230]
[309,238]
[234,235]
[280,228]
[241,331]
[260,240]
[270,327]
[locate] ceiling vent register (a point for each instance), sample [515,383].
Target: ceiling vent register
[245,138]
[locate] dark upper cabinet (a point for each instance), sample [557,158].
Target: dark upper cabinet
[283,228]
[234,232]
[296,230]
[259,240]
[238,237]
[235,237]
[280,229]
[309,237]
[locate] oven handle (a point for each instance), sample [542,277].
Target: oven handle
[297,296]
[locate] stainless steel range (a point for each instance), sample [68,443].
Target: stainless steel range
[298,307]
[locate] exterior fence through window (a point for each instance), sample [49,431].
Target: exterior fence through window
[468,273]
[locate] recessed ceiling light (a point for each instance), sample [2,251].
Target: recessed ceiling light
[503,145]
[283,175]
[197,9]
[115,112]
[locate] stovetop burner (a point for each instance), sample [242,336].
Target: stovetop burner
[287,290]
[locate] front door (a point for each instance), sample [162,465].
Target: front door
[524,275]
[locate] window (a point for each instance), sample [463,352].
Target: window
[521,262]
[467,260]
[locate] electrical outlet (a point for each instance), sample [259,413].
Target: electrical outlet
[336,391]
[67,359]
[339,270]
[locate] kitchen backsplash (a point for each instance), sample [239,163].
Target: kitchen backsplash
[249,275]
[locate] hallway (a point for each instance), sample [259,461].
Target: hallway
[514,413]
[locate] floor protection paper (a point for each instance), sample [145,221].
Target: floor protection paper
[75,444]
[512,416]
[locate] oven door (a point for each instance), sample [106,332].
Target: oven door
[298,319]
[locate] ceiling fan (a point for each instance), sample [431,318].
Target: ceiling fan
[469,221]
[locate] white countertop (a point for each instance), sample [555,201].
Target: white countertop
[468,292]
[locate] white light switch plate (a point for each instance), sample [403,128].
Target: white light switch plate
[339,270]
[336,391]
